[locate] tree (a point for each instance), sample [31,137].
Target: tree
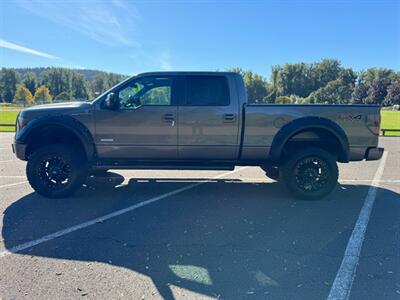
[335,92]
[104,81]
[8,82]
[57,80]
[369,76]
[291,79]
[323,72]
[257,86]
[23,95]
[79,88]
[359,94]
[348,76]
[99,84]
[393,93]
[377,91]
[30,82]
[64,96]
[302,79]
[42,95]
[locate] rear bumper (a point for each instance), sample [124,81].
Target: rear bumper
[19,149]
[374,153]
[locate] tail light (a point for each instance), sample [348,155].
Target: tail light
[374,123]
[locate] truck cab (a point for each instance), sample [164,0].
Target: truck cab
[171,116]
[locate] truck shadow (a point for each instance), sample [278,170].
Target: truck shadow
[225,238]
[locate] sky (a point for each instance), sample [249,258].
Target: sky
[129,37]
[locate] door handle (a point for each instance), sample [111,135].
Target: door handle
[229,118]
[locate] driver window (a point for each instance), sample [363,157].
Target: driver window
[146,91]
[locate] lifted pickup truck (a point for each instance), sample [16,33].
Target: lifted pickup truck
[192,120]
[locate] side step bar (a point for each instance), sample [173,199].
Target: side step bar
[140,165]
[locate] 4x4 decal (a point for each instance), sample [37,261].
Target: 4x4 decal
[347,117]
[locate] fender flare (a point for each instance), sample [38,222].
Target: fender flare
[292,128]
[64,121]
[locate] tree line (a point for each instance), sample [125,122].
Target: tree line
[44,85]
[325,81]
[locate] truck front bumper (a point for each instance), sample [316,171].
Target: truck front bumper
[19,149]
[374,153]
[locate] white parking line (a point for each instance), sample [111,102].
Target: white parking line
[369,180]
[259,179]
[341,287]
[109,216]
[13,184]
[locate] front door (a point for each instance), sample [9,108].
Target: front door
[144,127]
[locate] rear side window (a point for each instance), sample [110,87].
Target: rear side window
[207,91]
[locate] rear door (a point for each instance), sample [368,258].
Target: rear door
[208,123]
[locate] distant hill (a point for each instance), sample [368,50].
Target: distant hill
[87,73]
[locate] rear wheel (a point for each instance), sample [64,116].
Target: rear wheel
[56,171]
[310,174]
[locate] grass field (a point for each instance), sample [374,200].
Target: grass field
[10,107]
[390,120]
[8,117]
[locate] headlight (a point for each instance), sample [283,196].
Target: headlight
[21,122]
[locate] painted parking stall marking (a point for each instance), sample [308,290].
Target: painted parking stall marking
[341,287]
[109,216]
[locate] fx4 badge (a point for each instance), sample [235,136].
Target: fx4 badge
[347,117]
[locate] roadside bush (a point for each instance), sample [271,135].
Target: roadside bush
[283,100]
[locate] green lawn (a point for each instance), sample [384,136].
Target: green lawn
[7,117]
[10,107]
[390,119]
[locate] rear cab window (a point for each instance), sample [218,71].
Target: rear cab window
[207,91]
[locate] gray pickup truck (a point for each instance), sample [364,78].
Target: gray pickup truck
[192,120]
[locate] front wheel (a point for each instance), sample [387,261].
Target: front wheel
[310,174]
[56,171]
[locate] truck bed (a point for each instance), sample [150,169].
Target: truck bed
[263,121]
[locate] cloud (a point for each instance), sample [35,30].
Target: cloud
[110,23]
[15,47]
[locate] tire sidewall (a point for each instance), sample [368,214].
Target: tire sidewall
[287,173]
[70,155]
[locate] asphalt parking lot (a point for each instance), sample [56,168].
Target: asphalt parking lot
[200,234]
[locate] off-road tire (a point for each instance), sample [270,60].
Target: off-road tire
[56,171]
[310,174]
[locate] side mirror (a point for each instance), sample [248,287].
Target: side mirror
[111,102]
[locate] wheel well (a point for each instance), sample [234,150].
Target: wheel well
[315,137]
[53,134]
